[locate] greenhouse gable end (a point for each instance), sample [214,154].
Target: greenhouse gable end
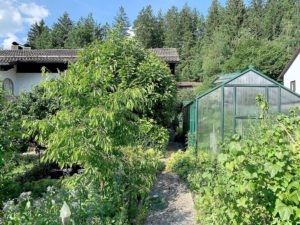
[230,108]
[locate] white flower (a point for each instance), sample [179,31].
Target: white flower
[7,205]
[65,214]
[75,205]
[25,195]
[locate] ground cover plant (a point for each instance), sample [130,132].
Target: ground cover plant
[255,179]
[111,107]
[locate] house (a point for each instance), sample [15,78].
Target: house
[291,73]
[20,67]
[169,55]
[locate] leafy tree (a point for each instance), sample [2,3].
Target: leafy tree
[61,30]
[105,98]
[122,22]
[84,32]
[146,28]
[268,57]
[216,51]
[39,36]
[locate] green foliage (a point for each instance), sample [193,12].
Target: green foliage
[255,179]
[268,57]
[92,200]
[84,32]
[147,29]
[39,35]
[61,30]
[121,22]
[105,114]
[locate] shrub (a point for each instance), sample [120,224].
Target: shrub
[92,201]
[255,179]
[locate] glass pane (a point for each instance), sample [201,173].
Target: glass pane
[209,121]
[288,100]
[251,78]
[228,111]
[245,127]
[246,100]
[273,100]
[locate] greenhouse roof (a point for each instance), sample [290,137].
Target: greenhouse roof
[225,77]
[241,74]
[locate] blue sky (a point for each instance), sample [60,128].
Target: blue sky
[16,16]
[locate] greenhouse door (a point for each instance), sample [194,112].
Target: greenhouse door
[246,109]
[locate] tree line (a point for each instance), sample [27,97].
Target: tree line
[263,33]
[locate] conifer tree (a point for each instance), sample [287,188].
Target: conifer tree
[84,32]
[122,22]
[234,17]
[39,35]
[171,28]
[146,28]
[254,18]
[214,18]
[61,31]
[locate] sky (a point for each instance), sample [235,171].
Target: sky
[16,16]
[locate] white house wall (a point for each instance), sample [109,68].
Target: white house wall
[293,74]
[24,81]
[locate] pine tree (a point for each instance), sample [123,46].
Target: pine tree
[39,35]
[84,33]
[61,31]
[122,22]
[146,28]
[289,37]
[214,18]
[234,17]
[272,19]
[171,28]
[254,18]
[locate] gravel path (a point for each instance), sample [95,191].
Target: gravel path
[171,201]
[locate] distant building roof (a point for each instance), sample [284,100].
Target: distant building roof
[225,77]
[187,84]
[11,57]
[169,55]
[280,78]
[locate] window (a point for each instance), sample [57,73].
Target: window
[8,86]
[293,85]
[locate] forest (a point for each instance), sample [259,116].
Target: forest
[261,33]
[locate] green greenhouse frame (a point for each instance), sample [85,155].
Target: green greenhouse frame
[230,108]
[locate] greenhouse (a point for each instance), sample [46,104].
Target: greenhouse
[231,108]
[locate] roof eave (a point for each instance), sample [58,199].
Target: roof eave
[281,76]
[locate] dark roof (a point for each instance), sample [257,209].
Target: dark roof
[10,57]
[187,84]
[280,78]
[169,55]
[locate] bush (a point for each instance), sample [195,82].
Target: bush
[255,180]
[91,200]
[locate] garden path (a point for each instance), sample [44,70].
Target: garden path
[171,201]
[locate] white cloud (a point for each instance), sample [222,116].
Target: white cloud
[16,15]
[6,44]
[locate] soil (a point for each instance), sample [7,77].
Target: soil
[171,202]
